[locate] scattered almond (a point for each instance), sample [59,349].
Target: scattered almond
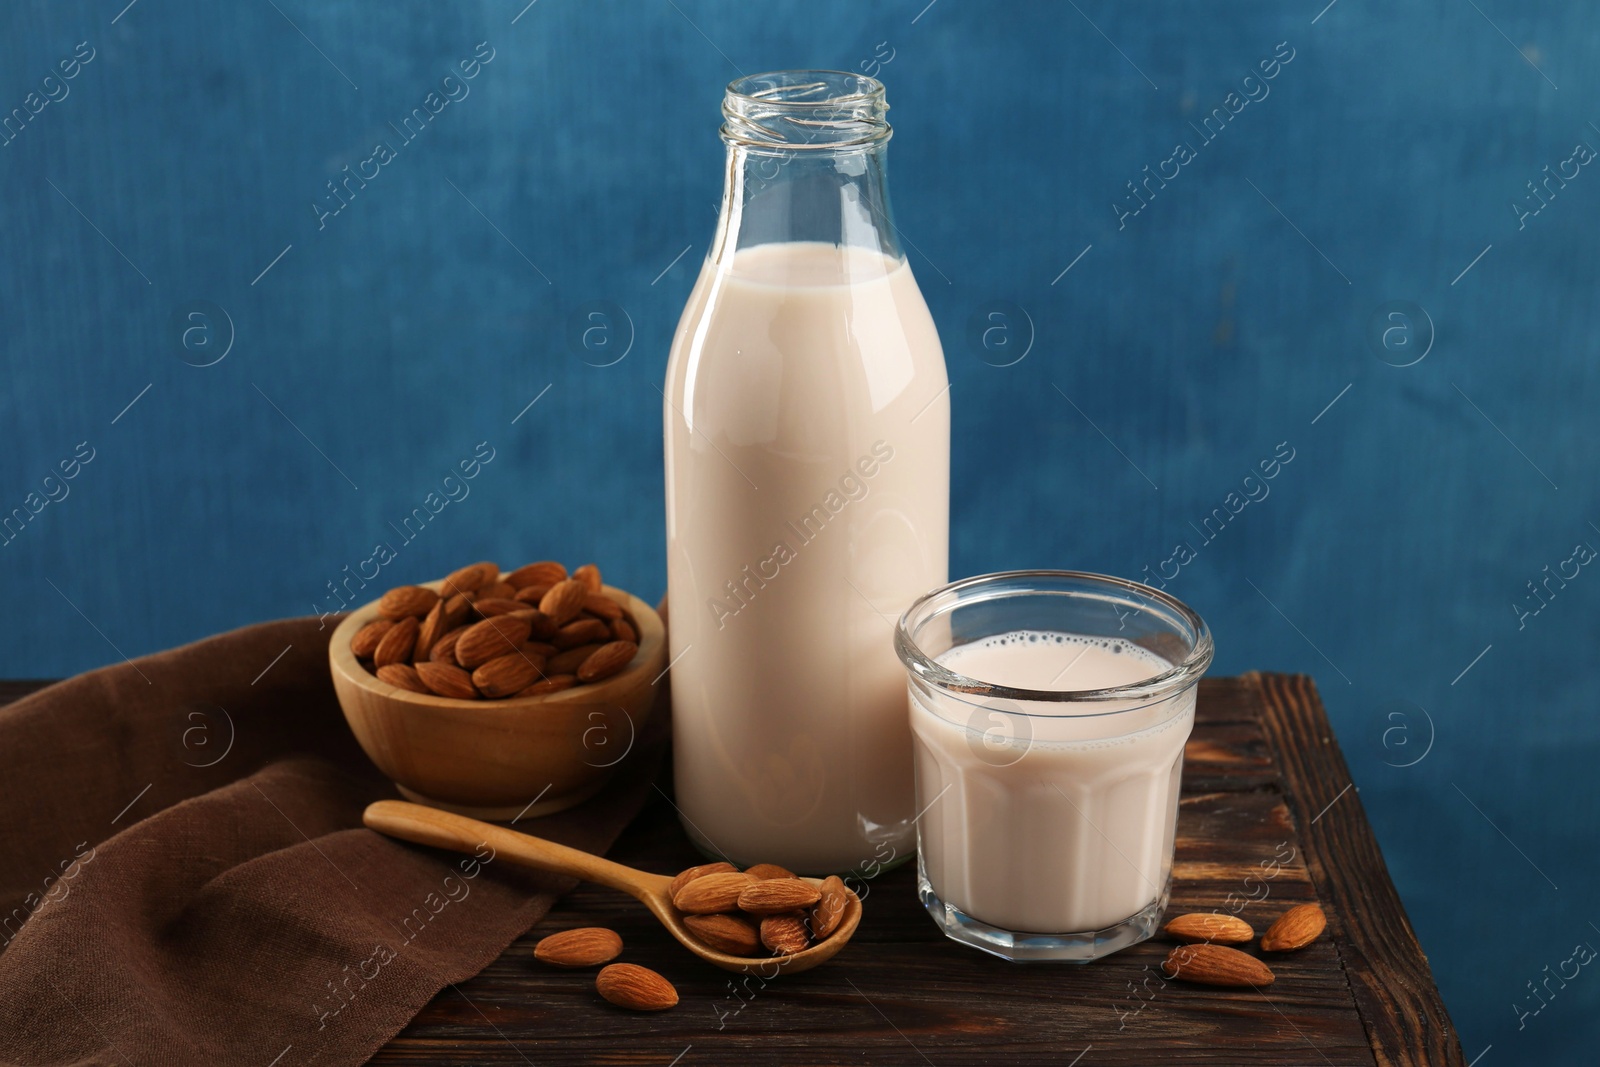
[829,910]
[406,601]
[1296,928]
[1216,965]
[627,985]
[564,600]
[587,946]
[607,660]
[712,893]
[784,935]
[774,895]
[396,644]
[365,642]
[1213,928]
[768,870]
[447,680]
[402,676]
[729,934]
[688,875]
[505,675]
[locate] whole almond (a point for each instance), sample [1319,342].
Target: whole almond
[712,893]
[535,654]
[1217,929]
[627,985]
[433,627]
[541,627]
[547,572]
[829,910]
[622,630]
[581,632]
[365,642]
[684,877]
[499,590]
[775,895]
[785,934]
[489,607]
[485,640]
[447,680]
[396,644]
[471,578]
[564,600]
[768,870]
[444,649]
[550,683]
[589,575]
[505,675]
[1216,965]
[452,616]
[532,594]
[602,606]
[406,600]
[607,660]
[402,676]
[587,946]
[569,661]
[1295,928]
[729,934]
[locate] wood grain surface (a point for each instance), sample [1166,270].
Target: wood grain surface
[1266,821]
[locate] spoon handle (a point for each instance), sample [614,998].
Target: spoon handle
[442,829]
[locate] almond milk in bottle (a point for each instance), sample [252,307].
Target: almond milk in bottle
[807,435]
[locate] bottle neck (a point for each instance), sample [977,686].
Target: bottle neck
[806,163]
[834,197]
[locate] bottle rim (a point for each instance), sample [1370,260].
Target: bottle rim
[805,110]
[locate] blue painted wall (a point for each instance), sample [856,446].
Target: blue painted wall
[1241,311]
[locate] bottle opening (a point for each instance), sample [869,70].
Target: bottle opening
[804,109]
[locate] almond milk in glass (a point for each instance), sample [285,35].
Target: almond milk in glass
[807,435]
[1050,710]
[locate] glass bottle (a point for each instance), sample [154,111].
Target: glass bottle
[807,427]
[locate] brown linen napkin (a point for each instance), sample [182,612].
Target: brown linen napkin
[184,878]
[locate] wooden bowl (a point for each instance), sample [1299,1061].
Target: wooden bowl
[500,759]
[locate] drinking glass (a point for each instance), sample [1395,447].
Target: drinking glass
[1047,794]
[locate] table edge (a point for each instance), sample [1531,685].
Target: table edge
[1395,994]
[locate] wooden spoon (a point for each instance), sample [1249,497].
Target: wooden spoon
[443,829]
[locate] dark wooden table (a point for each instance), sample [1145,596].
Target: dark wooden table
[1268,819]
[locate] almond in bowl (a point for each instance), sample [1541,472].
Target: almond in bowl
[487,691]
